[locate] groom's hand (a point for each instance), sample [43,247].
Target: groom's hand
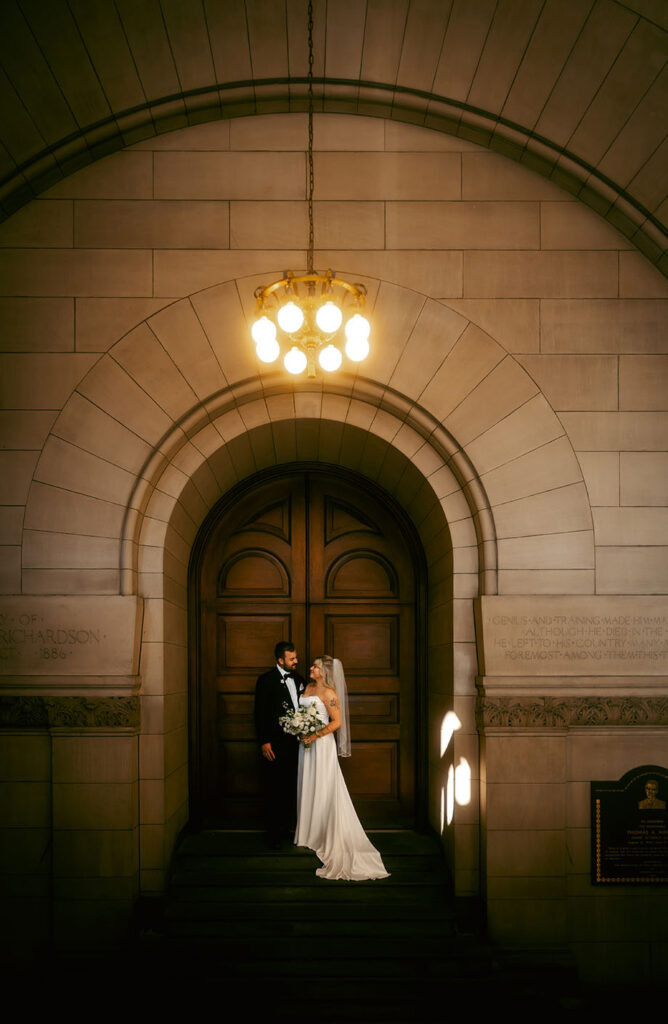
[267,752]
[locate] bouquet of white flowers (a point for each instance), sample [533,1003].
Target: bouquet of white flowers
[304,722]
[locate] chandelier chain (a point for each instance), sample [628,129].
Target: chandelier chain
[311,178]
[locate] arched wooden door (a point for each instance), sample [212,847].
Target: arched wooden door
[316,558]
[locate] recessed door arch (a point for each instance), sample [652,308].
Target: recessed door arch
[320,556]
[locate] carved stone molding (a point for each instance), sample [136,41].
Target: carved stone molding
[21,712]
[569,712]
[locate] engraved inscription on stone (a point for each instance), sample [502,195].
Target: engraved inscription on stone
[68,636]
[575,636]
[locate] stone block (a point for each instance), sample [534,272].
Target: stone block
[564,509]
[52,272]
[59,510]
[342,132]
[540,758]
[512,322]
[488,176]
[16,472]
[575,382]
[643,478]
[528,922]
[71,581]
[608,754]
[574,226]
[630,525]
[180,272]
[36,324]
[127,175]
[220,175]
[95,759]
[24,851]
[181,334]
[639,279]
[528,427]
[544,274]
[64,465]
[603,325]
[25,804]
[473,356]
[146,361]
[11,525]
[85,425]
[398,176]
[95,853]
[548,466]
[95,805]
[643,382]
[522,852]
[525,806]
[416,139]
[42,550]
[349,225]
[631,570]
[258,225]
[547,581]
[40,381]
[211,135]
[114,390]
[433,336]
[39,224]
[552,551]
[154,224]
[25,757]
[24,430]
[601,476]
[462,225]
[438,274]
[101,322]
[611,431]
[281,132]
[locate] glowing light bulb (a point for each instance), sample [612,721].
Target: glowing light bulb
[358,328]
[330,358]
[263,330]
[357,350]
[295,361]
[329,318]
[268,350]
[290,317]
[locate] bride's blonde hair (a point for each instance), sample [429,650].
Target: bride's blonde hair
[326,665]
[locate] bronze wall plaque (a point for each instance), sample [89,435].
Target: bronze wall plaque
[629,828]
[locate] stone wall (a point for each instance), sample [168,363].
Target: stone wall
[514,403]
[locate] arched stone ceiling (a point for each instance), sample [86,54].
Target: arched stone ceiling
[575,89]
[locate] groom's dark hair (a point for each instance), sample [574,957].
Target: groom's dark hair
[282,647]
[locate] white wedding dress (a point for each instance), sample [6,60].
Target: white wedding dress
[326,818]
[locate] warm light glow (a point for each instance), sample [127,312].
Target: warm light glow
[263,330]
[448,726]
[450,799]
[463,782]
[357,350]
[442,808]
[295,361]
[330,358]
[329,318]
[268,350]
[358,328]
[290,317]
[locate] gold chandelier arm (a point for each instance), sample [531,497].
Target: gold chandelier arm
[358,291]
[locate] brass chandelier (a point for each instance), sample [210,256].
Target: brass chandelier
[310,309]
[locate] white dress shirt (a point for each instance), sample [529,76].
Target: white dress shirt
[292,689]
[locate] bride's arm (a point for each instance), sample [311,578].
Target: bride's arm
[332,703]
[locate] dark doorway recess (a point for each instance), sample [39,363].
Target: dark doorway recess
[323,557]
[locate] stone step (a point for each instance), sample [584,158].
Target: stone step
[242,866]
[222,843]
[208,874]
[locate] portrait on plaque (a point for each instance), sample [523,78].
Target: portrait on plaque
[629,828]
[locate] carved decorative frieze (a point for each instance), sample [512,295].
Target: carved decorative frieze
[26,712]
[569,712]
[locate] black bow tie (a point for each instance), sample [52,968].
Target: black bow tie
[288,675]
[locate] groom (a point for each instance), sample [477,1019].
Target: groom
[276,692]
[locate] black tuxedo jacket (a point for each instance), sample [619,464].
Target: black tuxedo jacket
[272,699]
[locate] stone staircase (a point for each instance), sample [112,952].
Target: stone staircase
[262,923]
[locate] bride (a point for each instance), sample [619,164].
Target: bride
[326,818]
